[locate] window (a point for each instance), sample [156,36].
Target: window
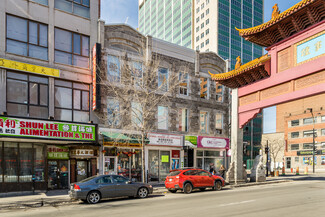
[323,118]
[202,6]
[202,34]
[202,15]
[203,122]
[294,147]
[207,22]
[207,31]
[294,123]
[207,2]
[43,2]
[136,73]
[71,101]
[308,146]
[136,114]
[77,7]
[163,79]
[197,29]
[308,133]
[207,11]
[197,38]
[113,69]
[197,47]
[162,118]
[113,112]
[322,145]
[308,121]
[27,95]
[204,88]
[295,135]
[323,132]
[202,25]
[71,48]
[197,19]
[297,159]
[207,42]
[183,120]
[219,92]
[202,44]
[197,10]
[26,38]
[219,122]
[183,86]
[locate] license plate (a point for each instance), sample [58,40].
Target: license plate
[170,180]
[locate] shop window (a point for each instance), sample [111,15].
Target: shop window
[10,162]
[295,135]
[27,95]
[136,74]
[211,153]
[26,38]
[219,122]
[308,133]
[199,153]
[39,164]
[294,147]
[308,146]
[113,112]
[204,88]
[1,160]
[136,114]
[162,118]
[77,7]
[219,92]
[294,123]
[68,109]
[163,79]
[43,2]
[113,69]
[183,86]
[183,120]
[25,162]
[71,48]
[204,122]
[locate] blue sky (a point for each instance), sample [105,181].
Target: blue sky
[122,11]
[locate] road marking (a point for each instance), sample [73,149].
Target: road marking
[241,202]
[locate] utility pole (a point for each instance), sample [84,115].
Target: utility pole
[314,148]
[267,157]
[252,139]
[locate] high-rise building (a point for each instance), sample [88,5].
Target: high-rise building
[205,25]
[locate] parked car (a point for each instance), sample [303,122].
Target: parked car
[95,188]
[189,179]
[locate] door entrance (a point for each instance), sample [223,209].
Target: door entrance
[58,174]
[82,170]
[110,165]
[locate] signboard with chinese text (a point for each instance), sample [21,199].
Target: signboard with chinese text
[165,139]
[96,72]
[57,152]
[191,141]
[212,142]
[30,128]
[25,67]
[310,48]
[82,153]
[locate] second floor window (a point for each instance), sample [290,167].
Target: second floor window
[183,120]
[204,122]
[163,79]
[27,95]
[113,69]
[204,88]
[78,7]
[71,101]
[308,133]
[26,38]
[308,146]
[308,121]
[295,135]
[295,147]
[219,122]
[71,48]
[162,118]
[113,112]
[219,92]
[183,83]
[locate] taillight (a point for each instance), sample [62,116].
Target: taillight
[76,187]
[177,177]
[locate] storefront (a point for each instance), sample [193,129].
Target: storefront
[122,155]
[163,153]
[34,153]
[190,145]
[211,150]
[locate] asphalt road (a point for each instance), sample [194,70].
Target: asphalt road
[299,198]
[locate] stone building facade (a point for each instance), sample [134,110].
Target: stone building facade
[189,124]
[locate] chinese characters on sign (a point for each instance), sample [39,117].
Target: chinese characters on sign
[311,48]
[46,129]
[165,139]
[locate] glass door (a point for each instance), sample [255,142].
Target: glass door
[164,166]
[82,170]
[52,174]
[110,166]
[63,174]
[153,159]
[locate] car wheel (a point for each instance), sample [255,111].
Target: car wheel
[202,189]
[172,191]
[143,192]
[93,197]
[217,186]
[188,188]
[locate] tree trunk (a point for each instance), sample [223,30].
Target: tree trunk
[143,159]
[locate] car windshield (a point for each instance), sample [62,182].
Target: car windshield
[88,179]
[174,173]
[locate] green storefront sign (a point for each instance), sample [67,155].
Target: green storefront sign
[57,152]
[191,140]
[31,128]
[319,152]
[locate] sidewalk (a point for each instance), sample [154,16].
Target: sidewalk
[60,197]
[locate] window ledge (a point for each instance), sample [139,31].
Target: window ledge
[73,13]
[33,58]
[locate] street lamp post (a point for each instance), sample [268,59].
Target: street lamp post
[312,114]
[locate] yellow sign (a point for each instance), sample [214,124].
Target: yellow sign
[10,64]
[164,158]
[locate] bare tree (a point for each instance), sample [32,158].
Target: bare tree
[276,145]
[136,89]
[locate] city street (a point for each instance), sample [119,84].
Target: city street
[298,198]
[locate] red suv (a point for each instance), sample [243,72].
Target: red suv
[189,179]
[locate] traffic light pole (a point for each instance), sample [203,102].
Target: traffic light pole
[314,148]
[267,158]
